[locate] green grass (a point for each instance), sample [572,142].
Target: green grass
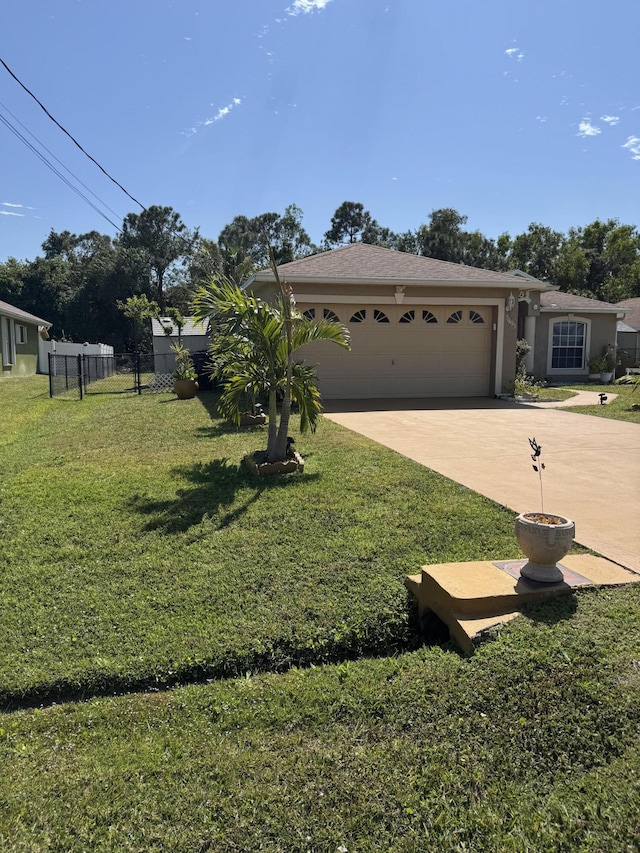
[529,746]
[136,554]
[619,409]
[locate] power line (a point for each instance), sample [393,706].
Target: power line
[50,165]
[72,138]
[42,145]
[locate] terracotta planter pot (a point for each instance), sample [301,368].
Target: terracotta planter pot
[185,389]
[544,538]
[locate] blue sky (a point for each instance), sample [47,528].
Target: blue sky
[510,111]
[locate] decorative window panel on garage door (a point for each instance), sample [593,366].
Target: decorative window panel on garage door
[401,351]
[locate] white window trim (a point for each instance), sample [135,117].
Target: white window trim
[8,342]
[22,335]
[569,371]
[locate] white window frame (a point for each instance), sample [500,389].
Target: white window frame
[21,333]
[567,371]
[8,342]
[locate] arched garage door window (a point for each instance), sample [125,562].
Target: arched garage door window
[568,345]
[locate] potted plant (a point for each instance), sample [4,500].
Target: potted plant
[595,368]
[184,375]
[607,368]
[543,537]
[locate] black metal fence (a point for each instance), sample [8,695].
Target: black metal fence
[73,376]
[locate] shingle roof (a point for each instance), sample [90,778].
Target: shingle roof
[190,327]
[557,300]
[375,264]
[632,307]
[19,314]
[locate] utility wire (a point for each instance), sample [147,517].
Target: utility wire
[73,175]
[64,130]
[57,172]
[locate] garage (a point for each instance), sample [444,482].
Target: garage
[405,351]
[419,327]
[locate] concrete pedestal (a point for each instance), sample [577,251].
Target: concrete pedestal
[470,598]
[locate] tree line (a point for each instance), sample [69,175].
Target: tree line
[80,280]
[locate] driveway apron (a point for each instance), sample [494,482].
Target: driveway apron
[592,472]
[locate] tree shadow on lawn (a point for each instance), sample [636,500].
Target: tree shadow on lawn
[215,486]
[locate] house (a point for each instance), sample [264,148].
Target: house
[629,333]
[19,336]
[419,327]
[565,332]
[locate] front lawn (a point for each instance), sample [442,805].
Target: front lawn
[532,745]
[136,553]
[620,409]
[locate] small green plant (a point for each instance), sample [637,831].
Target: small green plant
[184,368]
[538,466]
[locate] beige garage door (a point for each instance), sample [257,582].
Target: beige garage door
[404,351]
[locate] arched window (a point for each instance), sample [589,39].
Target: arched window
[310,313]
[428,317]
[360,316]
[456,317]
[328,314]
[380,316]
[407,317]
[475,317]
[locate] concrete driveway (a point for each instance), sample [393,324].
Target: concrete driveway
[592,464]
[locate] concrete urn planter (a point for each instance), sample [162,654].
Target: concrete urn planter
[544,538]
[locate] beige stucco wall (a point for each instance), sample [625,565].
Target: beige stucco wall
[601,335]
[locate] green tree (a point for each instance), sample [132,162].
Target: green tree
[536,251]
[348,223]
[163,239]
[244,243]
[253,350]
[138,309]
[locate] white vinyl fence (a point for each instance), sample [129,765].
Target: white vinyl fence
[64,348]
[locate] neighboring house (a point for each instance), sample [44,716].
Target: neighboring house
[629,332]
[193,336]
[565,332]
[19,336]
[419,327]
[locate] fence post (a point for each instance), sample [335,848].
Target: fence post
[80,375]
[138,373]
[50,376]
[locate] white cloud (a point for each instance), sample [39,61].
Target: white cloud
[515,53]
[9,204]
[222,112]
[633,146]
[10,213]
[610,120]
[303,7]
[585,128]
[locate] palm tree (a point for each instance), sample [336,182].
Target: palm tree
[252,350]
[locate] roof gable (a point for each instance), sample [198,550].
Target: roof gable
[360,262]
[18,314]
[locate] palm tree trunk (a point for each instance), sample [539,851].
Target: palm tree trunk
[283,429]
[272,439]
